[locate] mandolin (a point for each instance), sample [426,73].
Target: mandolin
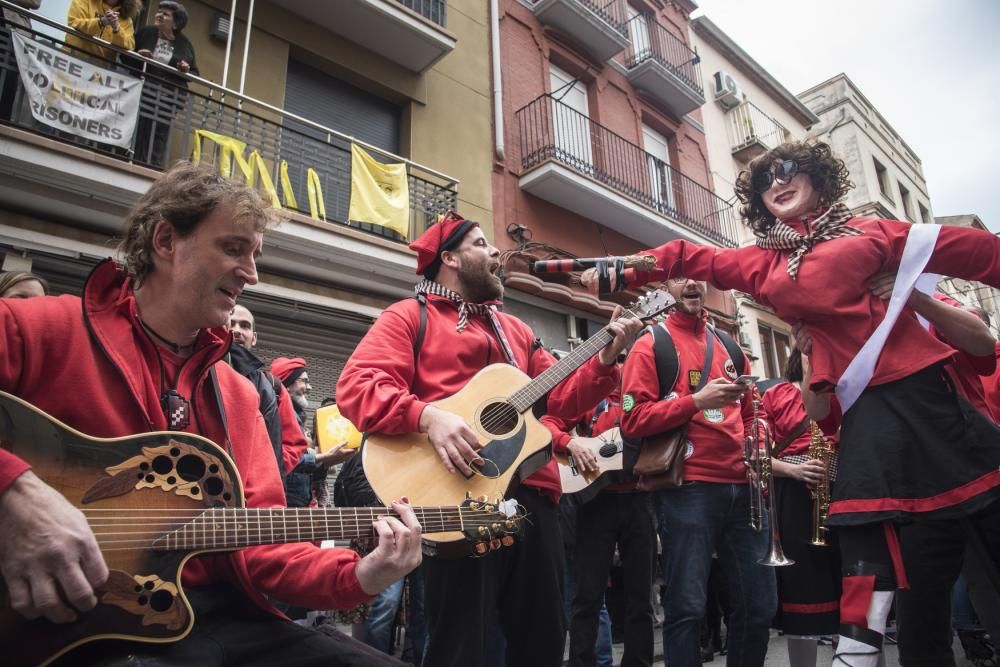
[154,500]
[497,403]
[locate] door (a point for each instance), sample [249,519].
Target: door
[638,32]
[571,120]
[658,164]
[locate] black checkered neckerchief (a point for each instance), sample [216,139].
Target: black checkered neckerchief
[830,225]
[465,309]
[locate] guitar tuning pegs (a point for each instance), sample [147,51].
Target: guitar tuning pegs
[483,532]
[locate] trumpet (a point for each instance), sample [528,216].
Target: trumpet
[757,456]
[821,450]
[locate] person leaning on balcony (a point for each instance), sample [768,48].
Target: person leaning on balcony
[110,20]
[913,452]
[164,91]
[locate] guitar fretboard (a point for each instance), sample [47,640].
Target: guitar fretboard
[235,528]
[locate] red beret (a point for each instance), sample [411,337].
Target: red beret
[443,235]
[284,368]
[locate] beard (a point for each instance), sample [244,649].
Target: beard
[478,284]
[301,401]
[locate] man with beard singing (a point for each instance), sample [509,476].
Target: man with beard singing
[387,387]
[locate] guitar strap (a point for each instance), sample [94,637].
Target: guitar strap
[221,406]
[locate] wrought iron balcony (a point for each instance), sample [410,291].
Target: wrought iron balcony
[578,164]
[597,25]
[752,132]
[663,66]
[175,112]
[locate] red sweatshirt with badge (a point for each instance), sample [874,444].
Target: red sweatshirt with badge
[831,294]
[715,436]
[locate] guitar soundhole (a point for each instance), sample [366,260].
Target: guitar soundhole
[190,468]
[498,418]
[213,486]
[608,450]
[161,600]
[162,465]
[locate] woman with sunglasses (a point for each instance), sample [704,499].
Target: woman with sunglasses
[911,450]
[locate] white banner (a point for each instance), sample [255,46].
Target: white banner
[76,96]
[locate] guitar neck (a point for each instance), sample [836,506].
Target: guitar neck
[236,528]
[531,393]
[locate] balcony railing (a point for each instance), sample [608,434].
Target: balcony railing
[651,41]
[611,12]
[551,130]
[175,106]
[752,132]
[432,10]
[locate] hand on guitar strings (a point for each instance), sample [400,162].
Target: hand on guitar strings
[452,438]
[584,459]
[47,552]
[397,551]
[624,332]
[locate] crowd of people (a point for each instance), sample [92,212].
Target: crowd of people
[876,494]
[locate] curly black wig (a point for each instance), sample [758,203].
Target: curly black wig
[828,174]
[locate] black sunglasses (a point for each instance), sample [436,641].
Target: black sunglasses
[783,172]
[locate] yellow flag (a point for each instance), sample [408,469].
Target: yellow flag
[333,429]
[380,193]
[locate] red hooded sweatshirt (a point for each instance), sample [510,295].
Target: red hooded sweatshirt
[88,363]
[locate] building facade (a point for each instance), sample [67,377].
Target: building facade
[748,113]
[888,176]
[599,148]
[407,80]
[972,293]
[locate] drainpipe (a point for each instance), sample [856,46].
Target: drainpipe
[246,47]
[497,86]
[229,45]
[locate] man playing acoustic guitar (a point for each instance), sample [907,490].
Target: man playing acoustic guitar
[386,387]
[136,354]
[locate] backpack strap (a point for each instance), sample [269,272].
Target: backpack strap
[665,354]
[422,330]
[733,348]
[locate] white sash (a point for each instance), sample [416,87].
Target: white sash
[919,247]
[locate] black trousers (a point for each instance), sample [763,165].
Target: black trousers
[230,630]
[625,520]
[932,554]
[522,585]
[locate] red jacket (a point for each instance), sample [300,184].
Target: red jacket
[293,441]
[992,387]
[715,445]
[831,294]
[968,371]
[380,390]
[96,371]
[785,411]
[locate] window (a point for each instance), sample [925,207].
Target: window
[925,214]
[571,119]
[883,180]
[774,350]
[904,194]
[638,32]
[658,164]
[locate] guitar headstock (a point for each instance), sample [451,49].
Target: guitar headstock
[650,304]
[490,525]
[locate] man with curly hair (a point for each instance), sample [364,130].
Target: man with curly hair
[912,451]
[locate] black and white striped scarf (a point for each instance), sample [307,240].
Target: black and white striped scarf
[465,309]
[830,225]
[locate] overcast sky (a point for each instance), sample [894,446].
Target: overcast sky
[931,67]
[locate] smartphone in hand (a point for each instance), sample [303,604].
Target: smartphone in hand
[746,379]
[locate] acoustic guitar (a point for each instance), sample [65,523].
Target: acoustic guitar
[497,403]
[608,448]
[153,501]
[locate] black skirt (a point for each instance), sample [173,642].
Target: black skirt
[915,448]
[809,590]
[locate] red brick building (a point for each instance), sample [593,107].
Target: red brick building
[600,147]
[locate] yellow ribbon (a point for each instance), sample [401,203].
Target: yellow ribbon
[286,186]
[230,150]
[317,208]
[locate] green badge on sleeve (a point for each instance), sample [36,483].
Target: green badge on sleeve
[628,402]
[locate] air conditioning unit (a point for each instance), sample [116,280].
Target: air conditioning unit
[727,91]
